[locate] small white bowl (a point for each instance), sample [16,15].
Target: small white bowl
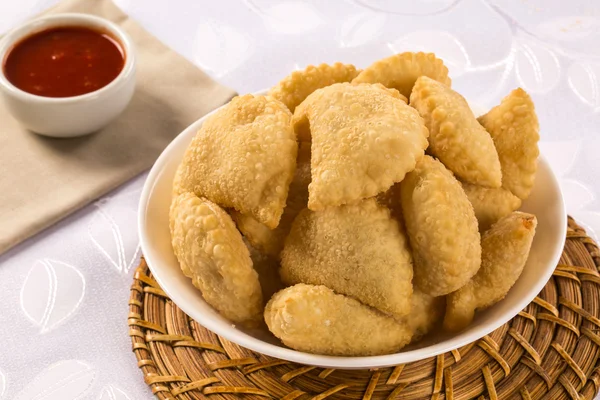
[76,115]
[153,221]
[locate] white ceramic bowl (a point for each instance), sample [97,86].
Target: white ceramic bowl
[76,115]
[545,202]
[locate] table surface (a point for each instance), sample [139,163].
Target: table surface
[63,313]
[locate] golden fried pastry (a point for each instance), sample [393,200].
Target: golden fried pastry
[490,204]
[301,122]
[212,253]
[294,88]
[329,184]
[244,157]
[270,241]
[300,119]
[317,320]
[455,136]
[364,139]
[177,190]
[356,250]
[400,71]
[265,240]
[505,248]
[442,228]
[425,312]
[514,128]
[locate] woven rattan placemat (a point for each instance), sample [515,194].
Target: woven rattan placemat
[549,351]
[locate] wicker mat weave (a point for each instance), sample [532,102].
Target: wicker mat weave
[549,351]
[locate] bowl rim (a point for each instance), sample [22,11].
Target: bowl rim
[340,362]
[16,35]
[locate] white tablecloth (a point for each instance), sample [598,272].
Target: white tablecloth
[63,332]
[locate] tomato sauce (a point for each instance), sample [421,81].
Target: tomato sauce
[64,62]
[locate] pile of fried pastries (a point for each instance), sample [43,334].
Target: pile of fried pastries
[355,210]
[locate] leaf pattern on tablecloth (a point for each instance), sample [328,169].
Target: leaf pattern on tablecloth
[287,17]
[575,194]
[411,7]
[573,34]
[561,154]
[537,67]
[578,199]
[568,28]
[52,292]
[220,48]
[444,44]
[584,80]
[113,230]
[64,380]
[111,392]
[360,29]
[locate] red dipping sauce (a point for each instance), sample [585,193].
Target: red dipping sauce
[64,62]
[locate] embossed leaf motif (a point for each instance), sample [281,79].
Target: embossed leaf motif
[571,28]
[360,29]
[537,67]
[220,48]
[289,17]
[584,81]
[580,197]
[407,7]
[113,393]
[445,46]
[576,195]
[561,154]
[52,292]
[113,230]
[64,380]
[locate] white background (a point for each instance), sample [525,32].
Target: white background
[63,312]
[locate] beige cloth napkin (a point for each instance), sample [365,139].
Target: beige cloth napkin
[43,179]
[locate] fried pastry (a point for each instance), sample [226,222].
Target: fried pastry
[265,240]
[455,136]
[364,139]
[505,249]
[294,88]
[514,127]
[177,190]
[300,120]
[442,228]
[356,250]
[426,311]
[400,71]
[244,157]
[490,205]
[212,253]
[386,220]
[317,320]
[270,241]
